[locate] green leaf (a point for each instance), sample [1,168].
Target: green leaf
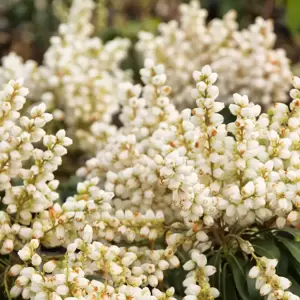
[292,15]
[216,261]
[266,248]
[283,263]
[294,268]
[228,286]
[292,246]
[295,287]
[237,269]
[293,231]
[175,277]
[253,292]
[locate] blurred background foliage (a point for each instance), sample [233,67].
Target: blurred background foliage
[26,25]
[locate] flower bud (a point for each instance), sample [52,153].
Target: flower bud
[36,260]
[15,291]
[189,265]
[15,270]
[49,266]
[62,290]
[24,253]
[265,289]
[88,234]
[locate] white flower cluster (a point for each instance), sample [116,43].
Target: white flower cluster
[65,279]
[26,171]
[156,195]
[199,171]
[33,219]
[268,282]
[126,165]
[194,164]
[78,78]
[244,59]
[92,206]
[197,282]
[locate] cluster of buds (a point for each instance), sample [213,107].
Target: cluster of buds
[197,170]
[126,165]
[203,169]
[78,78]
[26,171]
[197,282]
[64,279]
[268,282]
[33,220]
[59,225]
[136,266]
[160,185]
[123,271]
[255,68]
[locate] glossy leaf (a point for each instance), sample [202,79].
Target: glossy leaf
[293,231]
[228,285]
[175,277]
[216,261]
[253,292]
[283,263]
[295,287]
[294,268]
[292,246]
[266,248]
[237,268]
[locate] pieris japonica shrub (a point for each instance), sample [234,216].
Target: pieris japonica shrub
[244,59]
[227,193]
[177,204]
[77,80]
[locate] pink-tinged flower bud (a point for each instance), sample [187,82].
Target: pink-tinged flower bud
[7,247]
[15,270]
[22,281]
